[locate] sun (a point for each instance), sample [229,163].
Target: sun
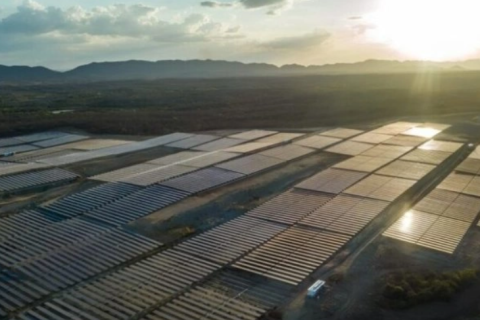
[435,30]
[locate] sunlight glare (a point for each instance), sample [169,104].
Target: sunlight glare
[428,29]
[406,222]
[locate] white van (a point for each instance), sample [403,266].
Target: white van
[315,288]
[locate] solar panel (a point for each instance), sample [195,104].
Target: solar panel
[292,255]
[158,175]
[406,169]
[332,181]
[252,134]
[411,226]
[206,304]
[129,291]
[429,230]
[444,235]
[427,156]
[28,247]
[380,187]
[438,126]
[36,179]
[287,153]
[21,167]
[17,149]
[350,148]
[59,270]
[438,145]
[24,222]
[406,141]
[41,154]
[470,166]
[372,137]
[363,163]
[210,159]
[473,188]
[230,240]
[94,144]
[85,201]
[317,142]
[396,128]
[203,180]
[250,164]
[456,182]
[176,157]
[6,142]
[345,214]
[250,147]
[424,132]
[192,141]
[281,137]
[123,173]
[290,206]
[137,205]
[387,151]
[219,144]
[450,204]
[341,133]
[475,154]
[60,140]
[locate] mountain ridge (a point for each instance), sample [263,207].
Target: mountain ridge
[164,69]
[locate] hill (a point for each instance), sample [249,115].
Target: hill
[143,70]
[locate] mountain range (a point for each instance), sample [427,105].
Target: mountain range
[136,70]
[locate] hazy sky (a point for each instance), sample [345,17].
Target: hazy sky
[63,34]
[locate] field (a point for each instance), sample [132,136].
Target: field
[98,221]
[158,107]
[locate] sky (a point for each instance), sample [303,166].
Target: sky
[64,34]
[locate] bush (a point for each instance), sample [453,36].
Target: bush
[406,289]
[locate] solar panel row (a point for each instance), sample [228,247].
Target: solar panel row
[396,128]
[341,133]
[250,164]
[192,141]
[206,304]
[35,179]
[427,156]
[332,181]
[406,170]
[202,180]
[462,183]
[67,138]
[137,205]
[363,163]
[24,222]
[291,206]
[470,166]
[350,148]
[125,293]
[85,201]
[429,230]
[345,214]
[293,255]
[317,142]
[116,150]
[381,187]
[22,249]
[229,241]
[61,269]
[158,175]
[451,205]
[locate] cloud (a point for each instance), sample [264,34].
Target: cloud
[133,21]
[216,4]
[274,6]
[297,43]
[355,18]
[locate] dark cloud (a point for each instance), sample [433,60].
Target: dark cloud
[306,41]
[216,4]
[262,3]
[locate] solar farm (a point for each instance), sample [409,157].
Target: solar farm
[76,250]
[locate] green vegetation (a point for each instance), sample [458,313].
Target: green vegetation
[164,106]
[407,289]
